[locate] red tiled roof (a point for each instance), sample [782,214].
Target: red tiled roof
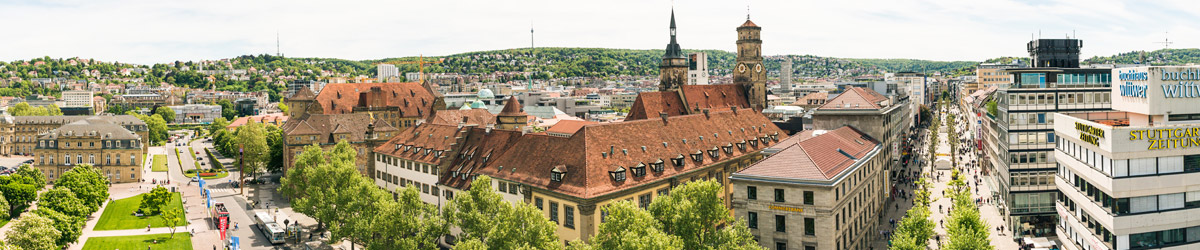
[512,107]
[454,116]
[714,97]
[856,98]
[748,23]
[412,98]
[276,117]
[649,104]
[817,158]
[327,125]
[414,141]
[568,126]
[304,94]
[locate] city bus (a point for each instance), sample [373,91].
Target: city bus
[269,228]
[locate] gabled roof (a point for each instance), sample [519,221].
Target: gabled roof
[324,125]
[855,98]
[823,157]
[414,141]
[304,94]
[650,104]
[568,126]
[92,126]
[413,99]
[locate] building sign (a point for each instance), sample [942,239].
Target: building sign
[1089,134]
[1130,89]
[1168,138]
[789,209]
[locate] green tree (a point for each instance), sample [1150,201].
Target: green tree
[407,223]
[36,177]
[69,227]
[253,141]
[52,110]
[87,182]
[992,108]
[275,144]
[218,124]
[325,184]
[695,211]
[628,227]
[295,182]
[19,195]
[484,216]
[965,229]
[21,109]
[155,200]
[166,113]
[227,109]
[64,201]
[6,215]
[358,207]
[158,129]
[171,218]
[283,108]
[33,232]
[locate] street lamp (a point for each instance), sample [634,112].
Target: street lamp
[242,169]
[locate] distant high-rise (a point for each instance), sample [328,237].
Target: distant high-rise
[785,75]
[385,71]
[674,67]
[1054,53]
[698,68]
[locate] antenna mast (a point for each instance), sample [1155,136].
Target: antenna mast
[277,53]
[531,56]
[1166,40]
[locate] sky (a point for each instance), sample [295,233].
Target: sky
[146,32]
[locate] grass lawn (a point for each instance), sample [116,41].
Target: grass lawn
[160,163]
[181,241]
[119,214]
[219,175]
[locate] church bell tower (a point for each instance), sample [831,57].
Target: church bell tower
[749,71]
[674,67]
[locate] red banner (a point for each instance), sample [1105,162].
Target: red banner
[223,224]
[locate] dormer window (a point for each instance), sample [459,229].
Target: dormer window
[427,151]
[437,153]
[698,155]
[775,136]
[406,148]
[417,150]
[678,160]
[728,148]
[657,166]
[753,142]
[764,140]
[741,145]
[714,152]
[617,174]
[557,174]
[639,170]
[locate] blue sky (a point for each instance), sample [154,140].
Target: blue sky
[161,31]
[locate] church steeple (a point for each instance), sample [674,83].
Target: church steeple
[673,50]
[673,70]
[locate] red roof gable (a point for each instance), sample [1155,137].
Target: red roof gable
[412,98]
[649,104]
[856,98]
[822,157]
[714,97]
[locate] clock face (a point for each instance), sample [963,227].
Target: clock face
[758,68]
[741,68]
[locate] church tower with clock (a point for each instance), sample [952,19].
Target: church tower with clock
[674,67]
[749,71]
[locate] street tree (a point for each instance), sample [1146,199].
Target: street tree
[166,113]
[275,144]
[218,124]
[53,110]
[63,200]
[325,185]
[33,232]
[155,200]
[695,212]
[36,177]
[407,223]
[253,142]
[357,207]
[484,216]
[5,214]
[628,227]
[295,183]
[19,195]
[171,218]
[87,182]
[69,227]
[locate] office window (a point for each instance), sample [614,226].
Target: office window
[751,192]
[752,219]
[569,217]
[810,226]
[779,195]
[554,212]
[780,245]
[808,197]
[780,223]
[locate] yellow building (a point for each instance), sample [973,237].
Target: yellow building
[97,140]
[18,134]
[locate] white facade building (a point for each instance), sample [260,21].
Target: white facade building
[698,68]
[77,98]
[1130,178]
[385,71]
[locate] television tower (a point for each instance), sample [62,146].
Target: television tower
[531,56]
[277,53]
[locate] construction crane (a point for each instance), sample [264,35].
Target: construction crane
[420,62]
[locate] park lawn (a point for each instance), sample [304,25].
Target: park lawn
[160,163]
[137,242]
[118,214]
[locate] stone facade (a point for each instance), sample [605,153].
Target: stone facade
[18,134]
[101,141]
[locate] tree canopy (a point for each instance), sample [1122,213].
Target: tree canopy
[695,211]
[484,216]
[166,113]
[33,232]
[153,201]
[87,182]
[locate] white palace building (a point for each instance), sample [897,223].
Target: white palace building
[1130,178]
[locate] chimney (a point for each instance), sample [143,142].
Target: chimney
[706,113]
[735,109]
[663,115]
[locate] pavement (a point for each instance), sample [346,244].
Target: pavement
[897,207]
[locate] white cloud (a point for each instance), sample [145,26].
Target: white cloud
[160,31]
